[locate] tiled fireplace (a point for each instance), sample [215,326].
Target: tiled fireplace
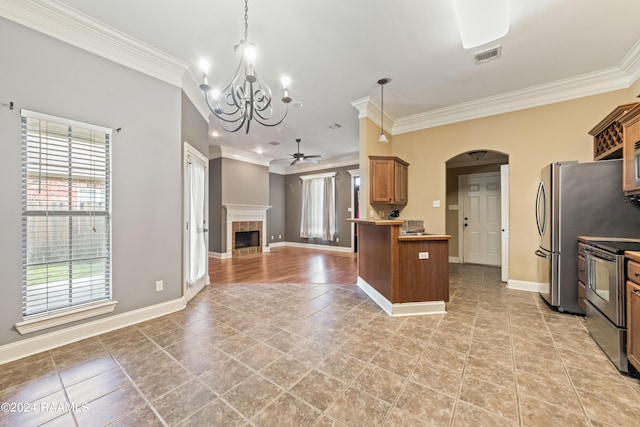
[246,229]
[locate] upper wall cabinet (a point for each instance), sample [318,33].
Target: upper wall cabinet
[608,135]
[388,178]
[631,160]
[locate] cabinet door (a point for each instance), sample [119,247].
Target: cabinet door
[382,185]
[401,172]
[633,324]
[631,136]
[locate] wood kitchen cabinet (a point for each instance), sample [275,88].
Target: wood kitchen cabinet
[582,277]
[633,310]
[631,135]
[388,180]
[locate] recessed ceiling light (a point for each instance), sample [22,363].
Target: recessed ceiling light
[214,133]
[297,104]
[274,143]
[259,150]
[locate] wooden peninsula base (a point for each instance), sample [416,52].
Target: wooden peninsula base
[404,274]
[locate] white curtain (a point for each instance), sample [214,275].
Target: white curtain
[318,208]
[197,242]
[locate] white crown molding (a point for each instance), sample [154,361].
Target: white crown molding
[630,64]
[562,90]
[369,107]
[64,23]
[286,169]
[227,152]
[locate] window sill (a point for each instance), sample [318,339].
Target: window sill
[38,323]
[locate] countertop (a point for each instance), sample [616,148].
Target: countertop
[391,222]
[425,237]
[376,222]
[587,239]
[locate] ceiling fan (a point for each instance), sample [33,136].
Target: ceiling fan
[301,157]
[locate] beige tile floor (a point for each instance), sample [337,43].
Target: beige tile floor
[324,355]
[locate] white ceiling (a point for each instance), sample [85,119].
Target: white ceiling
[336,50]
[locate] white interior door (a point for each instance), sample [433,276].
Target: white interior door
[504,202]
[196,212]
[481,215]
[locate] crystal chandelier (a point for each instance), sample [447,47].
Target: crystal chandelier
[246,97]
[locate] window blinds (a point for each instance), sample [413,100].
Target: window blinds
[66,221]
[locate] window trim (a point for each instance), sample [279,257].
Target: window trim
[64,315]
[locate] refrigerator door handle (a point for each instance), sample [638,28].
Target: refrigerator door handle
[541,197]
[541,254]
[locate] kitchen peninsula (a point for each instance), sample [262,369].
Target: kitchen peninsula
[404,274]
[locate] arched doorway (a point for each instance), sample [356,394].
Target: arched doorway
[477,208]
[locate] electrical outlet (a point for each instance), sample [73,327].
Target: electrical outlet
[271,237]
[337,240]
[279,236]
[159,285]
[423,255]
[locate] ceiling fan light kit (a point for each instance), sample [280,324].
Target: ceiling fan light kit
[246,97]
[300,157]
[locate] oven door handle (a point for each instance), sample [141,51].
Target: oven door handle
[594,253]
[541,254]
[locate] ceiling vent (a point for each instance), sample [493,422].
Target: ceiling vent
[488,55]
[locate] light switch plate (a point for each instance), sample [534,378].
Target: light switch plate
[423,255]
[436,203]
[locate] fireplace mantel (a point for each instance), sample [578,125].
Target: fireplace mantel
[236,212]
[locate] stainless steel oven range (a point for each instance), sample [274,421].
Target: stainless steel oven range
[606,305]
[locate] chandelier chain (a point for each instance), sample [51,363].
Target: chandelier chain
[246,19]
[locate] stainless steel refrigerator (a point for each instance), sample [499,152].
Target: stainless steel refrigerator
[577,199]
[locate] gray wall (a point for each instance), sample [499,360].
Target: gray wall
[233,182]
[244,183]
[216,214]
[195,129]
[42,74]
[275,215]
[293,207]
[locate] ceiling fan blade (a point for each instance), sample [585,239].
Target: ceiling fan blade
[313,160]
[294,162]
[312,156]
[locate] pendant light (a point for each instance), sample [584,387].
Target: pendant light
[246,97]
[382,139]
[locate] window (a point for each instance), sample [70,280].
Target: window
[318,206]
[66,219]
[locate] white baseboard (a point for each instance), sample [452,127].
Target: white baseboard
[40,343]
[454,260]
[401,309]
[314,246]
[277,244]
[219,255]
[522,285]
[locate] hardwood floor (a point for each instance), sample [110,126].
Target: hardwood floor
[287,265]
